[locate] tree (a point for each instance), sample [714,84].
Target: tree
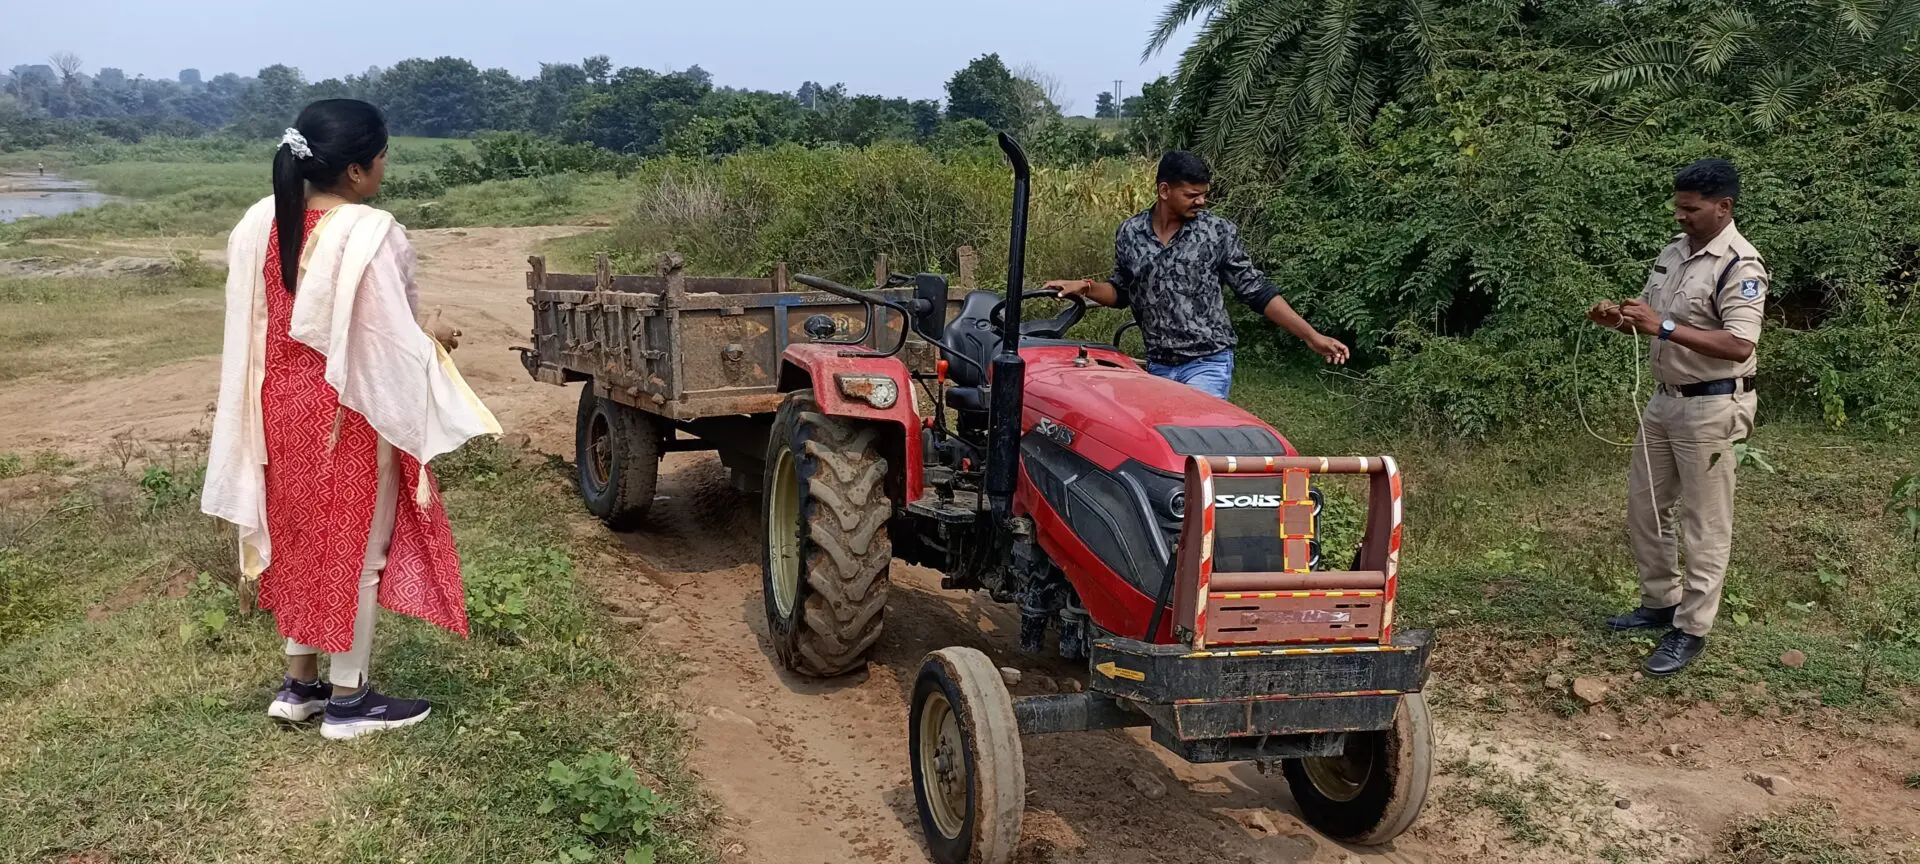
[925,114]
[271,102]
[1103,107]
[985,91]
[599,69]
[636,111]
[1048,85]
[1258,75]
[1151,130]
[1774,57]
[505,100]
[808,95]
[553,95]
[439,98]
[69,65]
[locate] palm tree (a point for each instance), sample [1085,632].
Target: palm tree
[1261,72]
[1775,57]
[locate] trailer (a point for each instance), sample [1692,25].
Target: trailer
[672,362]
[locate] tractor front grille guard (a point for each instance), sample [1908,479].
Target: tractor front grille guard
[1295,605]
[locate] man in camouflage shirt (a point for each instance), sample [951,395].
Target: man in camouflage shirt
[1169,263]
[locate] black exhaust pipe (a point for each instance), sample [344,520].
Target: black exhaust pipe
[1009,372]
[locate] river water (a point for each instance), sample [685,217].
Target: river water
[26,195]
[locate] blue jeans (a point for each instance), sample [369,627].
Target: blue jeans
[1211,374]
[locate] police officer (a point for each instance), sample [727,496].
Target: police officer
[1702,305]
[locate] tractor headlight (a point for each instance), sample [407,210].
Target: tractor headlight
[876,390]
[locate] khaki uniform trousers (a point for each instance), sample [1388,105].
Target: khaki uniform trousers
[1683,460]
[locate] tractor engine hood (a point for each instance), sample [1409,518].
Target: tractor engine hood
[1109,410]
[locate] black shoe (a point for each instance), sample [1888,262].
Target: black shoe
[367,712]
[1675,651]
[1643,617]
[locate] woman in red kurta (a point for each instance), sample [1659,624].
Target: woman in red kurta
[351,527]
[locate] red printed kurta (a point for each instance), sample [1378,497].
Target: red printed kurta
[320,501]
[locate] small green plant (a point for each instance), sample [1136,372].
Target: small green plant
[1912,781]
[11,465]
[613,809]
[497,591]
[1905,504]
[166,489]
[1833,404]
[1831,573]
[1745,455]
[210,623]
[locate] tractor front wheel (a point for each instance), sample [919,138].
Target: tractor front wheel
[963,741]
[825,560]
[1375,789]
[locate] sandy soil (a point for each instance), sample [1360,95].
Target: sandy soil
[474,274]
[811,771]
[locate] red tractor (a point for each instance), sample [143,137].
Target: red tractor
[1166,536]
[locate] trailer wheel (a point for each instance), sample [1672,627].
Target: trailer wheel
[825,560]
[1373,791]
[617,451]
[969,781]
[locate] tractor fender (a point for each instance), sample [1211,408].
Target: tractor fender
[817,366]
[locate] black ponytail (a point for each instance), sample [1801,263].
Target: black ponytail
[335,134]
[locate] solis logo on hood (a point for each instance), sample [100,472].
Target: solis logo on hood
[1232,502]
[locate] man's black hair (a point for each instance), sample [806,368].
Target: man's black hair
[1179,166]
[1710,178]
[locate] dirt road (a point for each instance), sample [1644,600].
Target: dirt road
[815,772]
[473,273]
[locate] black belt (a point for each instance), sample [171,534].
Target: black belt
[1722,387]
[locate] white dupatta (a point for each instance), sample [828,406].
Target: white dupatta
[354,306]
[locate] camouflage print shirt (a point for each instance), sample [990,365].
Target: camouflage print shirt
[1175,289]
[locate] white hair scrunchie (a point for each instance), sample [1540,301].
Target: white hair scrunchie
[297,142]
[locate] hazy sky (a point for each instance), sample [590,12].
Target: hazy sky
[891,47]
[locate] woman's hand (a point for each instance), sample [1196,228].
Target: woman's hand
[446,334]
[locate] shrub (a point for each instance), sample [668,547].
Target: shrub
[1458,246]
[612,808]
[831,211]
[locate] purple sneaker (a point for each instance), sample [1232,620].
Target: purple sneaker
[368,712]
[297,702]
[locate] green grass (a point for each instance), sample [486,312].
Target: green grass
[123,739]
[1809,833]
[73,328]
[596,198]
[194,186]
[1517,546]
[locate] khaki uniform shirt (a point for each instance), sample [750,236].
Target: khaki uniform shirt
[1721,286]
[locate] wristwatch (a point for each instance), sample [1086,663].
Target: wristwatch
[1666,329]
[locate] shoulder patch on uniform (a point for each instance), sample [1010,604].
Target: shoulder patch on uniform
[1750,288]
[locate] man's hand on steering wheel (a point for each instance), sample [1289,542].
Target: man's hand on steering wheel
[1055,327]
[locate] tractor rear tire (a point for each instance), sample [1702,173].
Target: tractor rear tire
[826,556]
[616,451]
[963,742]
[1374,791]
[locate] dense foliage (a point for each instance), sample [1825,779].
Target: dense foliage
[630,111]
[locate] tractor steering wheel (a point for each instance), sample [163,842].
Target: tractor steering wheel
[1044,328]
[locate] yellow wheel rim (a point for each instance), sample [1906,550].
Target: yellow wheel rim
[943,768]
[783,534]
[1341,777]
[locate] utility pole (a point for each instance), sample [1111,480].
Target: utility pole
[1118,98]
